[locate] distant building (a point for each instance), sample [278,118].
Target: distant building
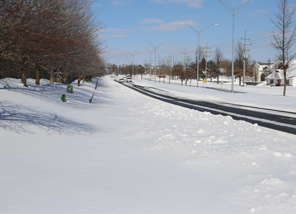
[261,70]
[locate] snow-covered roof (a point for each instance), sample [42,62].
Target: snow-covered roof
[279,73]
[262,65]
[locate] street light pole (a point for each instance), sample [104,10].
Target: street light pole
[132,55]
[128,59]
[198,33]
[155,48]
[233,13]
[150,61]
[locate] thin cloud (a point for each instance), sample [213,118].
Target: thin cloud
[262,11]
[121,2]
[258,12]
[238,2]
[149,21]
[115,33]
[185,44]
[188,3]
[163,26]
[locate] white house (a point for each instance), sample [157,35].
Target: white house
[260,70]
[277,76]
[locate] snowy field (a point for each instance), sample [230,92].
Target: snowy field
[128,153]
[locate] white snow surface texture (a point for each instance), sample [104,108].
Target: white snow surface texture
[129,153]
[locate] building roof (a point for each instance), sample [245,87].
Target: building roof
[261,66]
[265,63]
[279,73]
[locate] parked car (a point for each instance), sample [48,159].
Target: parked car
[128,79]
[121,80]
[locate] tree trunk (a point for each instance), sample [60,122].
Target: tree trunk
[51,78]
[217,79]
[37,75]
[285,80]
[78,82]
[83,79]
[24,78]
[240,80]
[284,62]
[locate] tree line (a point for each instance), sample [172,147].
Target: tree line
[186,72]
[58,36]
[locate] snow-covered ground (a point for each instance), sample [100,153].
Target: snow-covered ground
[128,153]
[259,96]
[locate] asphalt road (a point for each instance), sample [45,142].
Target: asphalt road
[274,119]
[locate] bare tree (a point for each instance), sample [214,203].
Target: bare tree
[284,37]
[218,57]
[238,63]
[59,36]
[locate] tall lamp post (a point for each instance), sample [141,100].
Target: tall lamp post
[233,12]
[132,55]
[128,58]
[150,60]
[198,33]
[123,62]
[155,48]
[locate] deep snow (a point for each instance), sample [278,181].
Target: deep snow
[128,153]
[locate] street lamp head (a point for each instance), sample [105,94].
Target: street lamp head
[181,23]
[216,24]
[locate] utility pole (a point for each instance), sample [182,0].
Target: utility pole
[245,55]
[206,67]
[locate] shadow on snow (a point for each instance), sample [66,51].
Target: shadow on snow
[17,118]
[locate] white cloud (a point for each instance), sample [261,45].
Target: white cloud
[189,3]
[262,11]
[185,44]
[121,2]
[163,26]
[258,12]
[115,33]
[238,2]
[251,15]
[149,21]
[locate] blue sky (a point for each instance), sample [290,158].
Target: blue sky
[130,22]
